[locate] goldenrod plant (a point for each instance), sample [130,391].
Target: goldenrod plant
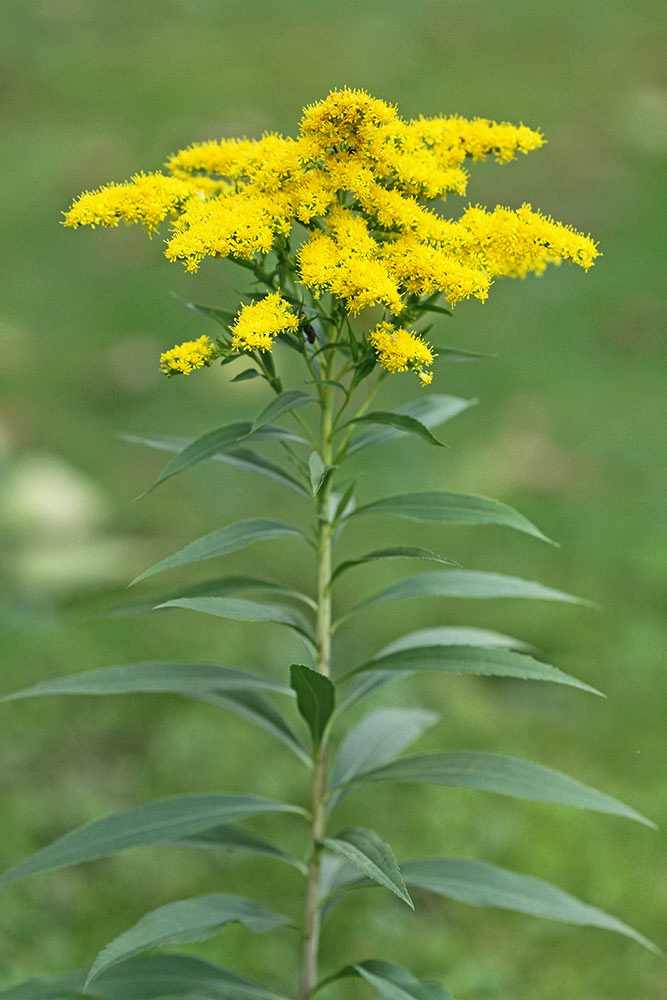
[350,260]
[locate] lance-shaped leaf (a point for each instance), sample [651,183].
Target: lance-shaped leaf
[231,538]
[502,774]
[194,680]
[372,856]
[246,458]
[225,586]
[378,738]
[465,583]
[454,635]
[242,610]
[401,421]
[392,982]
[186,920]
[482,884]
[286,401]
[394,552]
[229,837]
[315,698]
[253,706]
[365,682]
[153,823]
[222,316]
[484,661]
[242,458]
[213,442]
[146,977]
[431,410]
[451,508]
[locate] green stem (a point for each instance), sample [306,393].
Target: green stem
[312,909]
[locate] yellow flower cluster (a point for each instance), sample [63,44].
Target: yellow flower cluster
[258,324]
[362,181]
[399,350]
[184,358]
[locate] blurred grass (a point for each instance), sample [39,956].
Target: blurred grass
[570,429]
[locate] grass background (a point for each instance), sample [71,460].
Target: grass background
[570,429]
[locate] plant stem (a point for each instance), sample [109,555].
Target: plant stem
[312,910]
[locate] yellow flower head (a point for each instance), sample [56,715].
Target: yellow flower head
[184,358]
[368,187]
[398,350]
[257,325]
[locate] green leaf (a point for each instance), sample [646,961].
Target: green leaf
[242,458]
[153,823]
[228,837]
[464,583]
[231,538]
[239,609]
[371,855]
[253,706]
[392,982]
[246,375]
[147,977]
[222,316]
[224,586]
[317,470]
[395,552]
[364,683]
[212,443]
[283,403]
[194,680]
[451,508]
[483,661]
[184,921]
[482,884]
[378,738]
[454,635]
[502,774]
[315,698]
[432,409]
[456,354]
[401,421]
[245,458]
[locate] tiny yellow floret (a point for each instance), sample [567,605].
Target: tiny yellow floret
[258,324]
[184,358]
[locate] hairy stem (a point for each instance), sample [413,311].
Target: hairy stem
[312,909]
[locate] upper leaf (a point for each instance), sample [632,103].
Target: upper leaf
[482,884]
[195,680]
[392,982]
[451,508]
[229,837]
[378,738]
[286,401]
[464,583]
[247,611]
[485,661]
[315,698]
[400,421]
[503,774]
[431,410]
[231,538]
[371,855]
[213,442]
[182,922]
[395,552]
[154,823]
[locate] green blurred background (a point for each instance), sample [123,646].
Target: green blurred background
[569,429]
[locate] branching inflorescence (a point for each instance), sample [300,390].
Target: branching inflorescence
[338,222]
